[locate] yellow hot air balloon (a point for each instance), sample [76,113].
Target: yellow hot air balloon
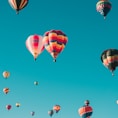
[17,104]
[6,74]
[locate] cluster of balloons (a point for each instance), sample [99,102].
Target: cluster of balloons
[103,7]
[54,41]
[56,109]
[6,74]
[8,107]
[86,110]
[6,90]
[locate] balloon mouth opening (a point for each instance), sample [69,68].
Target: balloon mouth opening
[54,60]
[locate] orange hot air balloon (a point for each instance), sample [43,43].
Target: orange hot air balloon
[6,74]
[6,90]
[18,4]
[57,108]
[34,44]
[8,107]
[55,42]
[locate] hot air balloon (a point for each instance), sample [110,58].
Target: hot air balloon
[17,5]
[17,104]
[36,83]
[8,107]
[32,113]
[6,74]
[34,44]
[6,90]
[54,42]
[57,108]
[109,59]
[103,7]
[50,112]
[85,111]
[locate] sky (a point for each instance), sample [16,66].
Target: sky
[78,74]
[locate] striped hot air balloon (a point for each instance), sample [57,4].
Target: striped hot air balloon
[54,42]
[109,59]
[6,90]
[103,7]
[85,111]
[34,44]
[17,5]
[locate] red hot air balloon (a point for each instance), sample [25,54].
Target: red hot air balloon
[55,42]
[18,4]
[85,111]
[34,44]
[8,107]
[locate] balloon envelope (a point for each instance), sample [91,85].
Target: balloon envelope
[57,108]
[50,112]
[109,59]
[55,42]
[6,74]
[36,83]
[17,104]
[32,113]
[85,111]
[103,7]
[8,107]
[34,44]
[18,4]
[6,90]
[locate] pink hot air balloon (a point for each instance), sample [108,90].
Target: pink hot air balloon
[34,44]
[8,107]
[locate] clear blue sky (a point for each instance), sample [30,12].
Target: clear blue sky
[78,73]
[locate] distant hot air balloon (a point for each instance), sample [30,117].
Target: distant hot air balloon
[34,44]
[8,107]
[36,83]
[109,59]
[50,112]
[85,111]
[103,7]
[6,74]
[6,90]
[54,42]
[18,4]
[32,113]
[57,108]
[17,104]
